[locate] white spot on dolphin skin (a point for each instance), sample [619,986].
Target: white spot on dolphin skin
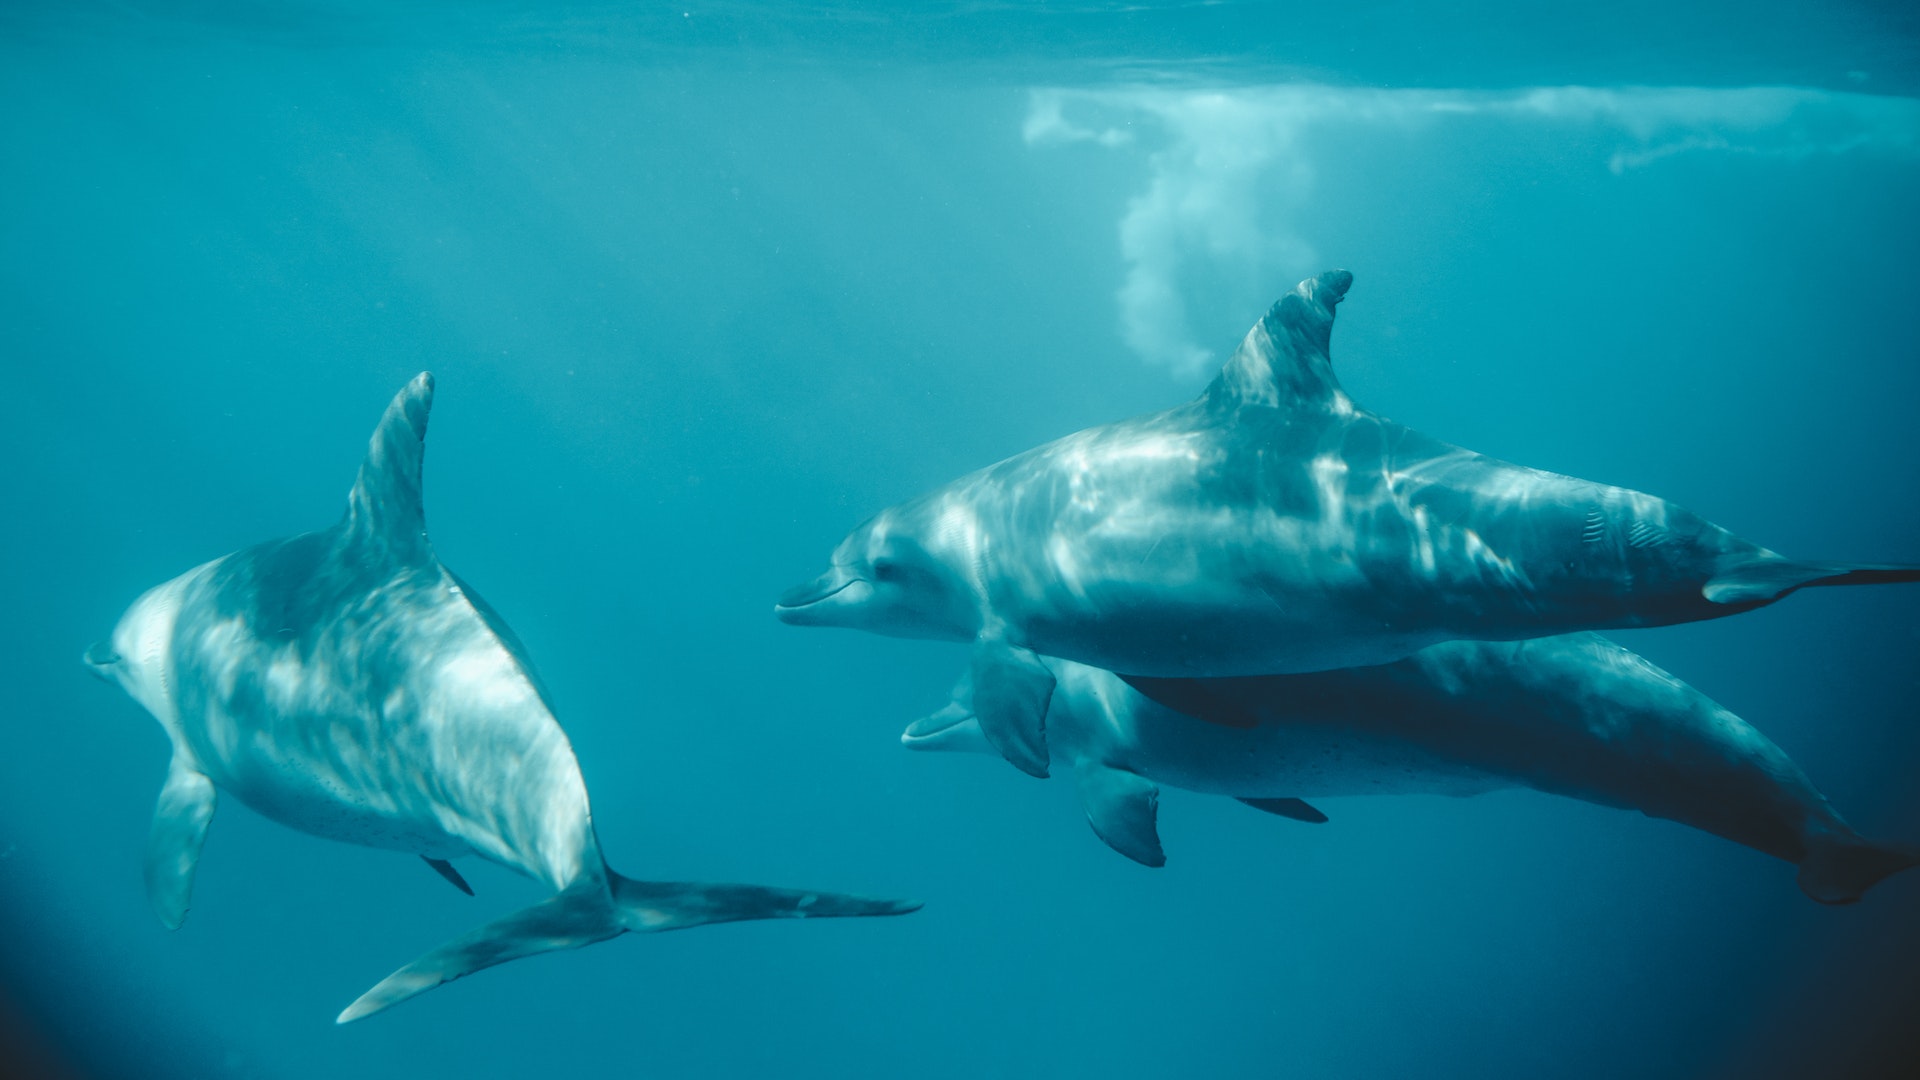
[1063,555]
[1493,565]
[1249,372]
[807,901]
[1329,473]
[487,676]
[1423,540]
[957,530]
[650,918]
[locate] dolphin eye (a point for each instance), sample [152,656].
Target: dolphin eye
[886,570]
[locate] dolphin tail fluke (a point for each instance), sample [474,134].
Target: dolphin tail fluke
[1767,578]
[1845,574]
[595,909]
[580,915]
[1840,868]
[649,906]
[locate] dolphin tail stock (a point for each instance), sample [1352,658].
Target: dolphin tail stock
[1767,578]
[594,909]
[1840,867]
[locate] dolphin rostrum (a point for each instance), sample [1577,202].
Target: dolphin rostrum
[348,684]
[1273,526]
[1573,715]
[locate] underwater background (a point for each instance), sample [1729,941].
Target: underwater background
[705,285]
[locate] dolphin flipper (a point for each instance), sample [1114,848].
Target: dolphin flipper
[173,845]
[1297,809]
[1011,692]
[594,909]
[953,728]
[1122,808]
[445,869]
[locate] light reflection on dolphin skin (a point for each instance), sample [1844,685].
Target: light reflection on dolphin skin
[1273,526]
[1573,715]
[346,683]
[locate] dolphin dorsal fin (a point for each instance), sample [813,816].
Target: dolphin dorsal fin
[384,509]
[1283,361]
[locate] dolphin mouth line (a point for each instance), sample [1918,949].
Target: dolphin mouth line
[782,604]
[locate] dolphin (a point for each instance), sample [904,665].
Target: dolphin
[1272,526]
[1573,715]
[348,684]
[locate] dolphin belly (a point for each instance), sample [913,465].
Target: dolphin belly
[291,793]
[333,788]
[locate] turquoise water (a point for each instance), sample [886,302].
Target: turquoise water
[704,286]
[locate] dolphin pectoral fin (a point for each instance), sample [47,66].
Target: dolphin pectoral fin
[445,869]
[173,844]
[1122,808]
[1765,578]
[953,728]
[1297,809]
[596,908]
[1011,692]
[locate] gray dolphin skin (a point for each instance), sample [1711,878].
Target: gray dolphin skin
[347,684]
[1573,715]
[1273,527]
